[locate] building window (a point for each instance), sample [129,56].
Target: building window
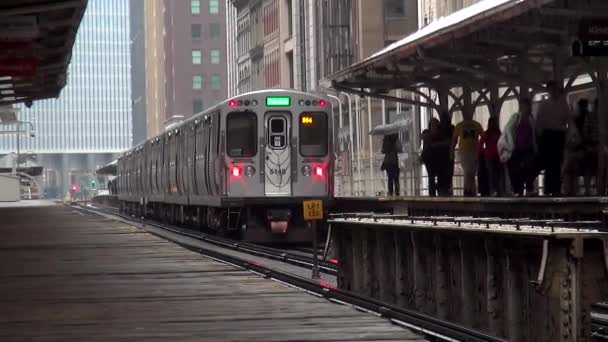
[216,82]
[195,6]
[196,30]
[214,6]
[197,82]
[197,106]
[394,8]
[215,56]
[214,31]
[196,57]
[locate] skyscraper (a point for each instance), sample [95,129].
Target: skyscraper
[138,69]
[185,44]
[91,120]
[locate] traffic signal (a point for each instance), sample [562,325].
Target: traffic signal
[93,184]
[74,188]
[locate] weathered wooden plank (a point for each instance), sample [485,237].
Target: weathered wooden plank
[65,276]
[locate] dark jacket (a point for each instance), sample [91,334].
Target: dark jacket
[391,149]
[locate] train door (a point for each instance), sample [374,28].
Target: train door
[277,154]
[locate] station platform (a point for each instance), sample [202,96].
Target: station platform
[69,276]
[569,208]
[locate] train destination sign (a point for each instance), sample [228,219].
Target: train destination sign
[278,101]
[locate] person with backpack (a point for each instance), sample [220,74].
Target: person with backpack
[517,148]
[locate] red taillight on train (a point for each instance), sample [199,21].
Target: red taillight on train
[236,171]
[232,103]
[322,103]
[319,171]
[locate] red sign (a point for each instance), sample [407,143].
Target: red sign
[18,66]
[16,45]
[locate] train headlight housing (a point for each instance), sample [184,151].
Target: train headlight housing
[319,171]
[306,171]
[249,171]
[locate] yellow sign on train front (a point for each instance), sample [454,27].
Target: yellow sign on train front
[313,210]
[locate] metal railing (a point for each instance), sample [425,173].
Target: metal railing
[413,179]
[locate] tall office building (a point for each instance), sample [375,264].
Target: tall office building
[297,43]
[91,120]
[231,50]
[270,44]
[185,59]
[138,69]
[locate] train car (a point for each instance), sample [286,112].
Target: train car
[242,167]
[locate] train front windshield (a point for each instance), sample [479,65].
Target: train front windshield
[314,137]
[241,134]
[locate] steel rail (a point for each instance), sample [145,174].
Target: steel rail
[432,328]
[246,247]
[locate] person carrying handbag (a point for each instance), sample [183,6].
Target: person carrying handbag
[517,148]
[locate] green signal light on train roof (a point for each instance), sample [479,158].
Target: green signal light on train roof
[278,101]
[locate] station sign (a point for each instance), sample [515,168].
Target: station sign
[592,38]
[18,66]
[18,29]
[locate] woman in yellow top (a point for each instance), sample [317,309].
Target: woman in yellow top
[466,136]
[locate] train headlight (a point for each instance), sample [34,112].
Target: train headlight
[306,170]
[319,171]
[249,171]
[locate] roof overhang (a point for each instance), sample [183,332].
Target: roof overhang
[36,41]
[109,169]
[504,43]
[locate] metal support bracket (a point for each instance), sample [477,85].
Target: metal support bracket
[540,279]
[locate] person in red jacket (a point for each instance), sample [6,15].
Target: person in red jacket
[488,152]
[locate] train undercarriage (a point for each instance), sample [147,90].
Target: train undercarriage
[255,223]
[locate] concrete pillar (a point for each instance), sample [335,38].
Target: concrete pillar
[495,105]
[494,304]
[514,296]
[467,104]
[467,285]
[420,284]
[441,276]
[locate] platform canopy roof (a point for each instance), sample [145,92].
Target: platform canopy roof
[108,170]
[36,41]
[504,43]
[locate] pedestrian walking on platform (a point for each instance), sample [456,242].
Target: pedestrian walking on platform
[518,148]
[433,159]
[552,123]
[466,137]
[391,147]
[488,153]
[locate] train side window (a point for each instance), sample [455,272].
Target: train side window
[314,136]
[241,134]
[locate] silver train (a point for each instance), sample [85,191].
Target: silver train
[242,167]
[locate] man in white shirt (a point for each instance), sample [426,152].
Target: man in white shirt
[552,123]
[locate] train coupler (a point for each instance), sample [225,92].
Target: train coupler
[279,220]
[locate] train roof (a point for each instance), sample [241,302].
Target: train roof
[215,107]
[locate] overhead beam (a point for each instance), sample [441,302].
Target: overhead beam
[575,13]
[483,73]
[40,7]
[384,97]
